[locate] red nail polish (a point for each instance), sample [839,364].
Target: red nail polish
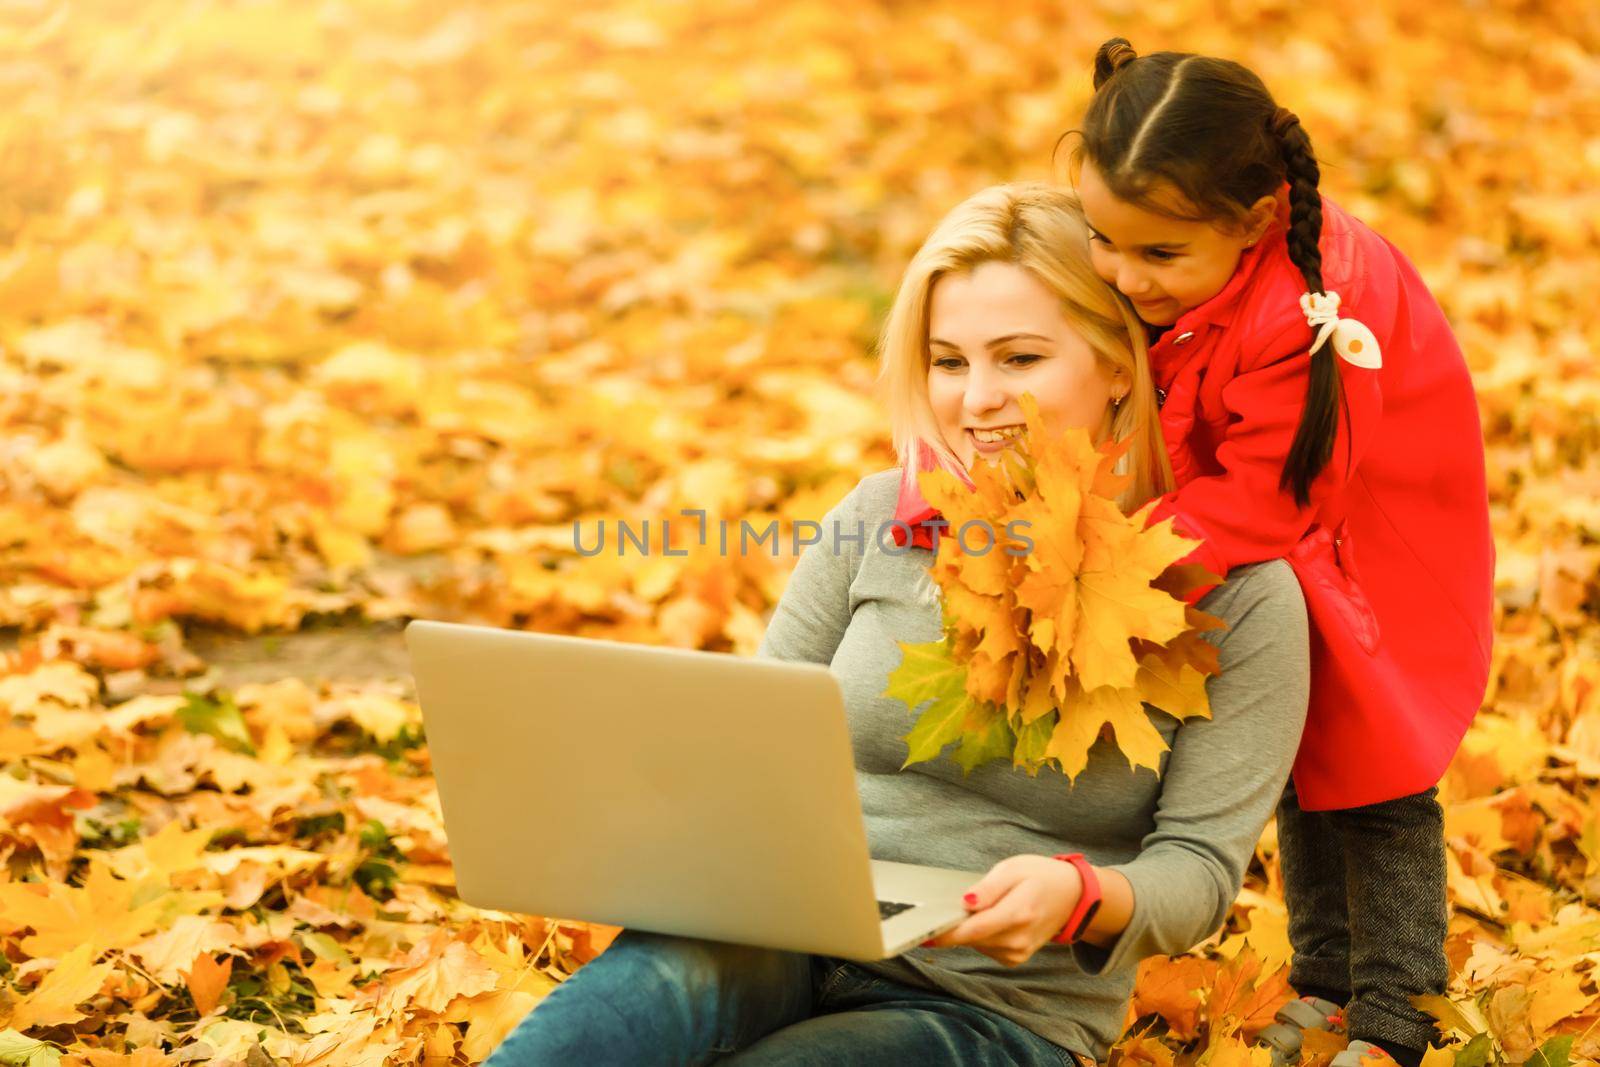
[971,898]
[928,943]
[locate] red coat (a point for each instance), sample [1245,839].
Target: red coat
[1400,645]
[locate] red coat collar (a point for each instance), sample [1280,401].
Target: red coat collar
[913,509]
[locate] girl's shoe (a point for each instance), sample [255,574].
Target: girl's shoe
[1307,1013]
[1359,1050]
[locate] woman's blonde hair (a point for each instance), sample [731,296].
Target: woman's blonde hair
[1040,228]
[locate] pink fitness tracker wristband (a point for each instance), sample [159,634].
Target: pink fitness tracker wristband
[1088,901]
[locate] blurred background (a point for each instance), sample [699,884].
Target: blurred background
[320,315]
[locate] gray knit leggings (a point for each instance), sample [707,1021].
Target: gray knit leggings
[1365,888]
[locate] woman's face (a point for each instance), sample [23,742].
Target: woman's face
[994,333]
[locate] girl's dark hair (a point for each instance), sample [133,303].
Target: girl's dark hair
[1210,129]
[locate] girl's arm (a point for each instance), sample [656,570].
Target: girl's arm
[1221,783]
[1240,514]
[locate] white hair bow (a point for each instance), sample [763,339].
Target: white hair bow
[1351,339]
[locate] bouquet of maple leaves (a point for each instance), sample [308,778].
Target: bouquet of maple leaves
[1048,648]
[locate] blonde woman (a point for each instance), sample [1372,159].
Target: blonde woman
[1000,301]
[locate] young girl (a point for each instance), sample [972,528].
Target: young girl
[1313,429]
[1000,302]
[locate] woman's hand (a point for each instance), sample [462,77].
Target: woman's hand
[1016,908]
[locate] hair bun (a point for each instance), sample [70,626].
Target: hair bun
[1112,57]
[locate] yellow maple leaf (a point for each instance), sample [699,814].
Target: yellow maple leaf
[1084,714]
[54,1002]
[1175,687]
[99,915]
[168,851]
[434,973]
[170,952]
[1268,933]
[491,1016]
[1118,600]
[49,685]
[1553,998]
[1071,739]
[1234,1052]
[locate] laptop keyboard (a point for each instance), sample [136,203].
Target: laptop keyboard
[888,909]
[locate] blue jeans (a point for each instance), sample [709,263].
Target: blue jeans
[656,998]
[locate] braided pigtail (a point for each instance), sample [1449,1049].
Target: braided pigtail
[1313,439]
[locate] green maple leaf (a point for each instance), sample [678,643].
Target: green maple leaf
[1032,740]
[24,1051]
[219,717]
[928,673]
[1556,1052]
[994,740]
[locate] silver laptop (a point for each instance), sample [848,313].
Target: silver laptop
[694,793]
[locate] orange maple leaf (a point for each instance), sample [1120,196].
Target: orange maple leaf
[1170,987]
[1241,1002]
[207,980]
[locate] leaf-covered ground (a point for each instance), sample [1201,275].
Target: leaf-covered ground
[296,296]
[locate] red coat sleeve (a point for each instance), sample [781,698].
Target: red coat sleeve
[1240,514]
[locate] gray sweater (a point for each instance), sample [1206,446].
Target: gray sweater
[1183,841]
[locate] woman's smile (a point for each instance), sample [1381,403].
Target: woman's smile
[991,441]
